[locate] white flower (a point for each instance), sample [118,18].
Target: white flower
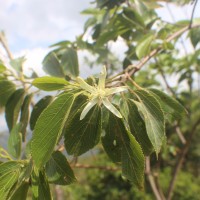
[99,94]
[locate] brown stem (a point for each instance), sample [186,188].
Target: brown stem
[180,134]
[5,45]
[132,69]
[151,180]
[106,168]
[180,160]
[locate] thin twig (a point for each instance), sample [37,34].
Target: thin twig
[151,180]
[106,168]
[179,133]
[132,69]
[181,159]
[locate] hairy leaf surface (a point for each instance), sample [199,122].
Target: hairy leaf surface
[15,141]
[58,170]
[153,117]
[172,108]
[129,151]
[38,108]
[13,107]
[49,127]
[81,136]
[6,90]
[136,125]
[24,118]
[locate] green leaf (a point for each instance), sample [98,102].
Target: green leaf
[81,136]
[143,47]
[38,108]
[24,118]
[69,62]
[21,192]
[153,117]
[17,63]
[136,125]
[171,107]
[130,152]
[111,142]
[13,107]
[48,128]
[6,90]
[40,186]
[51,65]
[58,170]
[194,35]
[2,67]
[15,141]
[47,83]
[134,17]
[9,174]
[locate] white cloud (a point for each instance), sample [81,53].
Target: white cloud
[35,22]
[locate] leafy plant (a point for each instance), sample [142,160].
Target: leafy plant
[128,120]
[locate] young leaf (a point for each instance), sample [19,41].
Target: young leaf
[6,90]
[13,107]
[38,108]
[49,127]
[143,46]
[15,141]
[47,83]
[58,170]
[132,158]
[169,105]
[24,118]
[136,125]
[153,117]
[52,66]
[69,62]
[81,136]
[21,192]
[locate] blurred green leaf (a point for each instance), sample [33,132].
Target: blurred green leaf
[2,67]
[15,141]
[40,186]
[24,118]
[6,90]
[136,125]
[130,152]
[143,47]
[171,107]
[13,107]
[153,117]
[38,108]
[69,62]
[21,192]
[58,170]
[18,63]
[82,135]
[47,83]
[51,65]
